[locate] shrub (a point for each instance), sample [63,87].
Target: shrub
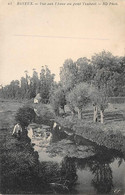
[45,114]
[25,116]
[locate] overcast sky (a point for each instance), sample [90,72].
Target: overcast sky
[33,36]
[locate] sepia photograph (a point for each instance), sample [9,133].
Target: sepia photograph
[62,97]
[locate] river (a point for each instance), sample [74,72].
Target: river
[87,169]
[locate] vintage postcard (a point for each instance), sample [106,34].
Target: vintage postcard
[62,97]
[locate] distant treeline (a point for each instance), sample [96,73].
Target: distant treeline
[27,87]
[102,70]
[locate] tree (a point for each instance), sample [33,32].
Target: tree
[120,81]
[23,87]
[34,84]
[100,101]
[79,97]
[108,70]
[68,74]
[58,99]
[46,82]
[1,91]
[12,89]
[49,82]
[27,78]
[85,70]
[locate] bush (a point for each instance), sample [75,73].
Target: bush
[45,114]
[25,116]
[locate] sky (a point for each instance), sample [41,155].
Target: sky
[32,36]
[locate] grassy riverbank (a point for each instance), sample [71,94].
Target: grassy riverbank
[19,165]
[110,134]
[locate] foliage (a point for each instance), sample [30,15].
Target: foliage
[99,98]
[19,165]
[79,97]
[28,87]
[45,114]
[103,70]
[34,84]
[46,82]
[109,135]
[68,74]
[58,99]
[86,71]
[102,136]
[60,176]
[109,72]
[25,116]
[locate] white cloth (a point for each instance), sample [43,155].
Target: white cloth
[30,133]
[54,125]
[17,129]
[35,101]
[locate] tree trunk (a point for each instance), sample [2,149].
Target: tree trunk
[64,109]
[79,114]
[102,116]
[95,118]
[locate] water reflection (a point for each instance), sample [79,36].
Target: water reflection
[101,168]
[102,181]
[70,175]
[68,172]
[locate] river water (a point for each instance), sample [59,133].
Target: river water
[102,171]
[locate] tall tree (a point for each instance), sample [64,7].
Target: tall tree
[34,84]
[46,82]
[68,74]
[23,87]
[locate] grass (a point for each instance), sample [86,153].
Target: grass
[114,118]
[8,109]
[18,163]
[110,134]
